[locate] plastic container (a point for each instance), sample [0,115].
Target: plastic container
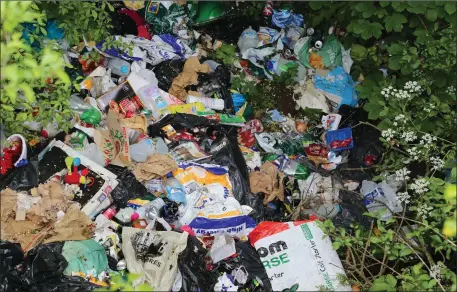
[212,103]
[141,150]
[119,67]
[174,189]
[339,135]
[157,203]
[248,39]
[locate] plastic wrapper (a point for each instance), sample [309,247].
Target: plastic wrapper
[128,188]
[167,71]
[21,178]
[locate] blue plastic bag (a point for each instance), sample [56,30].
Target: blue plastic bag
[339,83]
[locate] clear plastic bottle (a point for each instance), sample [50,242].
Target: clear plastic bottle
[248,39]
[119,67]
[174,189]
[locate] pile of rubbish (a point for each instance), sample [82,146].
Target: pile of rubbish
[165,182]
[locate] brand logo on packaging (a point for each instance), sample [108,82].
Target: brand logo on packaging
[306,231]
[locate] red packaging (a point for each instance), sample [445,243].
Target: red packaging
[110,212]
[317,153]
[246,134]
[340,143]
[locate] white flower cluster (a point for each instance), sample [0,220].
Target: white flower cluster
[393,92]
[408,136]
[423,210]
[388,134]
[402,174]
[436,271]
[420,186]
[401,118]
[427,140]
[450,90]
[430,107]
[403,197]
[412,86]
[437,163]
[414,153]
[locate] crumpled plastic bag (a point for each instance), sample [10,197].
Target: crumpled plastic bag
[21,178]
[337,86]
[128,188]
[269,181]
[154,254]
[86,256]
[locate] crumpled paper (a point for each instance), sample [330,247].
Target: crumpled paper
[8,199]
[75,225]
[187,77]
[269,181]
[53,199]
[157,165]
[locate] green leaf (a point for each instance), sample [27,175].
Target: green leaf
[367,8]
[436,181]
[381,287]
[395,63]
[384,3]
[418,7]
[394,22]
[395,49]
[7,107]
[21,117]
[94,14]
[432,15]
[391,280]
[336,245]
[370,29]
[450,7]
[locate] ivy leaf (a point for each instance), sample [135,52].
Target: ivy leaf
[398,6]
[395,22]
[384,3]
[432,15]
[450,7]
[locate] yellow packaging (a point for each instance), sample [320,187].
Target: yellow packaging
[191,176]
[189,108]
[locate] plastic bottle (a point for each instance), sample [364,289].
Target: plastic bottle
[119,67]
[174,189]
[157,203]
[248,39]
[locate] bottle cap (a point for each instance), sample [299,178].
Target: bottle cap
[124,69]
[134,216]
